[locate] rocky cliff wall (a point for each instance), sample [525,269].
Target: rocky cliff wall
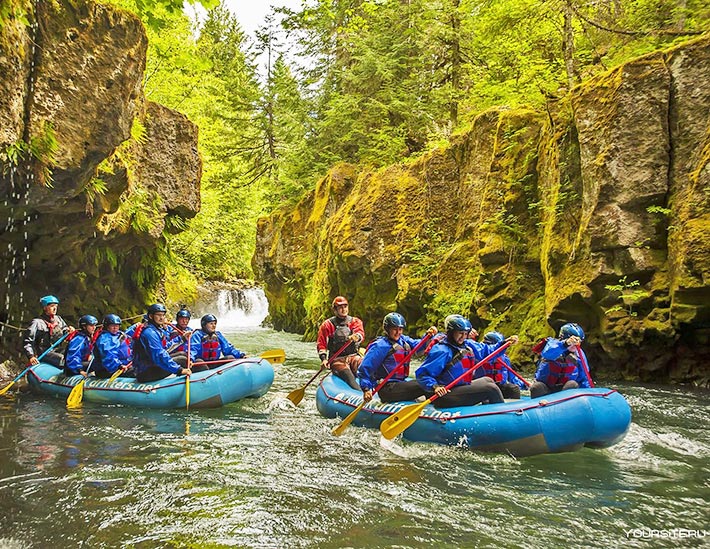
[595,211]
[92,173]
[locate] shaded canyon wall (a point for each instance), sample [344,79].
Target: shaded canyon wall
[92,173]
[595,211]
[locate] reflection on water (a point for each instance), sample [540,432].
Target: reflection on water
[263,473]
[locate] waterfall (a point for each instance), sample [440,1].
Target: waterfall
[237,308]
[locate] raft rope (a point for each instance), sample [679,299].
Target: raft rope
[13,327]
[540,404]
[176,381]
[23,329]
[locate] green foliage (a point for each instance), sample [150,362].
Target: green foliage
[104,255]
[659,210]
[42,149]
[95,187]
[630,293]
[158,14]
[139,210]
[12,10]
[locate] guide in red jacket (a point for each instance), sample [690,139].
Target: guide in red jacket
[333,334]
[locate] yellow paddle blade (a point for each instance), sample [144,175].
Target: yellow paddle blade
[398,423]
[114,376]
[340,429]
[187,392]
[77,394]
[296,395]
[277,356]
[6,388]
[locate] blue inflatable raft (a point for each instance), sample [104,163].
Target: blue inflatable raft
[247,377]
[560,422]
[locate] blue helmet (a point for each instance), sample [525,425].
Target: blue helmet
[393,320]
[493,338]
[207,318]
[111,319]
[156,308]
[48,300]
[88,319]
[458,323]
[571,329]
[183,313]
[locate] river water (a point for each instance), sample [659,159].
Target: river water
[262,473]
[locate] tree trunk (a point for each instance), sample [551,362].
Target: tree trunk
[568,47]
[455,62]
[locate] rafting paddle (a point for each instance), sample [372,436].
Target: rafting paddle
[297,395]
[187,377]
[39,358]
[516,374]
[77,393]
[398,422]
[580,354]
[275,356]
[118,373]
[340,429]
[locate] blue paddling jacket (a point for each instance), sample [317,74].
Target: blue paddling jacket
[558,365]
[211,346]
[439,369]
[112,351]
[78,351]
[149,350]
[380,359]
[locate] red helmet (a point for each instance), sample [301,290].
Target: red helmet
[340,300]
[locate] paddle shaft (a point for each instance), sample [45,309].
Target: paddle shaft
[330,361]
[187,377]
[77,393]
[179,343]
[580,354]
[516,374]
[296,395]
[119,372]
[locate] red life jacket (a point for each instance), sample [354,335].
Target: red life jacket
[97,333]
[139,330]
[438,338]
[561,370]
[125,340]
[399,354]
[539,346]
[495,370]
[210,347]
[468,362]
